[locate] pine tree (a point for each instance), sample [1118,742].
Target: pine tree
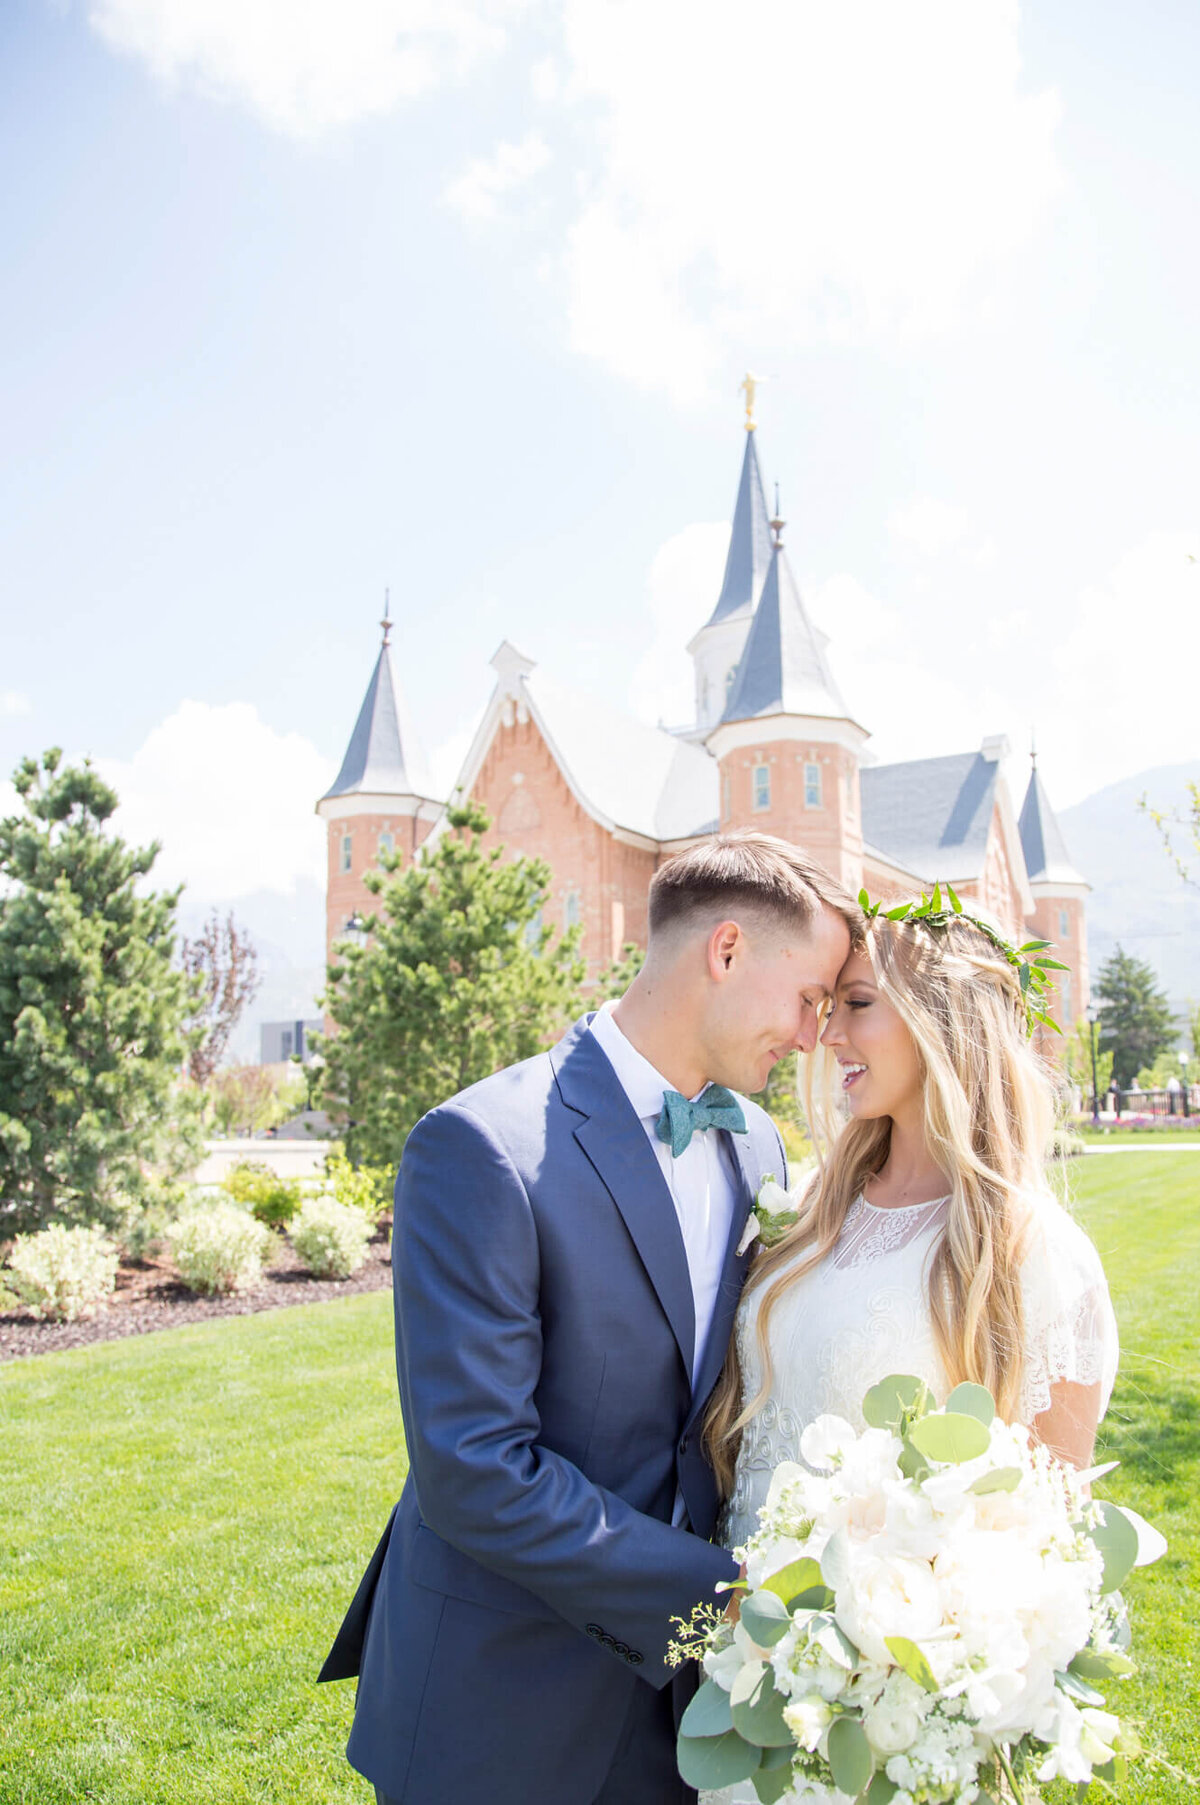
[92,1011]
[454,980]
[1135,1017]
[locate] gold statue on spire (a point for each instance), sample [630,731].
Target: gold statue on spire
[747,387]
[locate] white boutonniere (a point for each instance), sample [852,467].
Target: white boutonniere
[775,1211]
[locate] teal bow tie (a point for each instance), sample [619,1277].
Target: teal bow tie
[680,1120]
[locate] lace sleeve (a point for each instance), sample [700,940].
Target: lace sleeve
[1070,1330]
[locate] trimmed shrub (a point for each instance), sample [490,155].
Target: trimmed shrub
[270,1199]
[64,1273]
[365,1188]
[331,1237]
[218,1249]
[1066,1145]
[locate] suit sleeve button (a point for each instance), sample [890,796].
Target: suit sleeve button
[634,1659]
[595,1632]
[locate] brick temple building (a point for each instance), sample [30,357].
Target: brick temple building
[603,798]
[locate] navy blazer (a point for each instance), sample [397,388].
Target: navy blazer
[544,1336]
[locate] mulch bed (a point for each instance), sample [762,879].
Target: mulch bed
[150,1295]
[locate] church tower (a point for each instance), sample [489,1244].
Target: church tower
[1059,894]
[716,648]
[787,746]
[380,801]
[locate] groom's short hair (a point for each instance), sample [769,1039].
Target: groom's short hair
[752,874]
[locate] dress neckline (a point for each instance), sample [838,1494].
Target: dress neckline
[902,1209]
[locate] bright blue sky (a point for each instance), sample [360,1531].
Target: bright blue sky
[277,331]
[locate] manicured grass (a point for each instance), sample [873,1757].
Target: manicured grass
[186,1516]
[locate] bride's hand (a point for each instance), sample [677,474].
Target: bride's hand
[733,1609]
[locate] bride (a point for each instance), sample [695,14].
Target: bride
[928,1241]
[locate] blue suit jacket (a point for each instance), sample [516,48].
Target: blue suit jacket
[544,1336]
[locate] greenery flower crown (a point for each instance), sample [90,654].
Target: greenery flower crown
[1029,961]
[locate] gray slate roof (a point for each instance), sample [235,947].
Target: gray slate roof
[749,544]
[931,815]
[1046,857]
[384,756]
[783,668]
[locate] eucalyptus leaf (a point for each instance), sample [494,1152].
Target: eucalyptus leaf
[880,1790]
[796,1578]
[835,1560]
[765,1618]
[893,1398]
[1117,1539]
[973,1400]
[709,1713]
[757,1708]
[1000,1479]
[1078,1689]
[832,1640]
[950,1437]
[849,1755]
[771,1784]
[912,1661]
[1101,1664]
[711,1762]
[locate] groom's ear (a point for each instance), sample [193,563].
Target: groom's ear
[726,943]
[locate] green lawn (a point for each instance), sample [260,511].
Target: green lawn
[186,1514]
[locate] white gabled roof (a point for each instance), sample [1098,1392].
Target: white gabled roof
[625,774]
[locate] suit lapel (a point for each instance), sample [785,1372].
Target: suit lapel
[614,1140]
[753,1168]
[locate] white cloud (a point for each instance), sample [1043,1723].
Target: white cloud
[931,525]
[13,703]
[230,799]
[682,586]
[476,193]
[785,175]
[307,65]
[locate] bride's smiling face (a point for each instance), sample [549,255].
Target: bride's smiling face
[877,1056]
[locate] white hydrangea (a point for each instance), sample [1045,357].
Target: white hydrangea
[218,1248]
[64,1273]
[330,1237]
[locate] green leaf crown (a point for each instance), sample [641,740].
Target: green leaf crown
[1029,961]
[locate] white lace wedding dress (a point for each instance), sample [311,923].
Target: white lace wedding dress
[863,1313]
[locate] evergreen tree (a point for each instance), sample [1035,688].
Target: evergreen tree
[453,981]
[92,1011]
[1135,1018]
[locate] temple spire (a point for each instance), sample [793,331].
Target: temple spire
[1047,860]
[783,668]
[384,755]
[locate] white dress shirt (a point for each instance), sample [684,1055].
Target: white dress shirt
[703,1179]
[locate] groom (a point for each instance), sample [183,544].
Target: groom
[566,1275]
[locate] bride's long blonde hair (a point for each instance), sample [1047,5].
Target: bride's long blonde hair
[989,1114]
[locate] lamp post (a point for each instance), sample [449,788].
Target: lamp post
[1093,1016]
[355,929]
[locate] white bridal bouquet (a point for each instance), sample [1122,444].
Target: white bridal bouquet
[929,1614]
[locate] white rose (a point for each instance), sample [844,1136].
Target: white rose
[1098,1734]
[773,1200]
[808,1719]
[887,1596]
[893,1722]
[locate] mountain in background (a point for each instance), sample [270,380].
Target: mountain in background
[1138,897]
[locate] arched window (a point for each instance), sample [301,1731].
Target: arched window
[572,912]
[762,786]
[812,786]
[347,853]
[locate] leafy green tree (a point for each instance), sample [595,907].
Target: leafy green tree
[451,983]
[614,980]
[1135,1019]
[92,1011]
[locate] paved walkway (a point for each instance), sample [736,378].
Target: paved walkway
[1148,1146]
